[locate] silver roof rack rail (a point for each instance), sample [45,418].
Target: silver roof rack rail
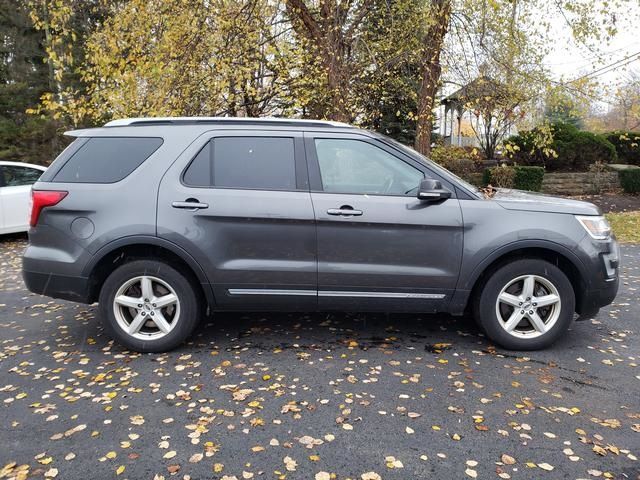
[223,120]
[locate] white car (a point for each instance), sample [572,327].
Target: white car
[16,179]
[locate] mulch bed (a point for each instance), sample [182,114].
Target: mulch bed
[611,202]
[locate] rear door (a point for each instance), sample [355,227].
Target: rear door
[379,247]
[15,192]
[239,202]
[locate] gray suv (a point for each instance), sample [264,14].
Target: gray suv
[165,220]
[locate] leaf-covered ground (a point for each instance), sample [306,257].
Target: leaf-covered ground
[318,396]
[626,226]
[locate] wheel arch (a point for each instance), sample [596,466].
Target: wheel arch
[552,252]
[112,255]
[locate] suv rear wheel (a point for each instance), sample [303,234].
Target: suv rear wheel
[149,306]
[525,305]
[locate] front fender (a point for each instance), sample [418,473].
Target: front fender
[466,283]
[470,280]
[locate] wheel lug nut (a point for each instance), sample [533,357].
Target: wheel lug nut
[152,314]
[146,300]
[139,305]
[535,304]
[521,311]
[154,305]
[531,312]
[528,298]
[520,303]
[143,314]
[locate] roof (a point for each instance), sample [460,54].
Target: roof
[223,120]
[477,87]
[22,164]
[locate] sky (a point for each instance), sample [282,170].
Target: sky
[569,60]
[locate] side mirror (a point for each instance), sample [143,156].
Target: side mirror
[431,191]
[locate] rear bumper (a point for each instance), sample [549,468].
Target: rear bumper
[57,286]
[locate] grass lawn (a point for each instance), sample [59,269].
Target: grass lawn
[626,226]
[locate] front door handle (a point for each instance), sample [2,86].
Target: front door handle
[345,211]
[190,204]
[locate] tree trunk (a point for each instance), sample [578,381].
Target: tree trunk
[430,72]
[49,46]
[338,86]
[324,31]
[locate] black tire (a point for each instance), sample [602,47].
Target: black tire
[187,306]
[486,310]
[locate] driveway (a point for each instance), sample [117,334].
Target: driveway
[315,396]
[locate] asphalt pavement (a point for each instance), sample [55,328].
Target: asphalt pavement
[315,396]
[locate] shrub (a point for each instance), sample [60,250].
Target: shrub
[503,176]
[569,149]
[528,178]
[520,177]
[577,149]
[459,160]
[630,180]
[627,145]
[528,147]
[598,171]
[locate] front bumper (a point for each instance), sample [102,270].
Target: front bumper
[593,300]
[603,278]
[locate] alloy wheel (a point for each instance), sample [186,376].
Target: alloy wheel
[146,307]
[528,306]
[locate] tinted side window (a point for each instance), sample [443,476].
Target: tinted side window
[354,166]
[15,176]
[264,163]
[107,159]
[198,173]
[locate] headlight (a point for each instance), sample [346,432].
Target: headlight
[596,226]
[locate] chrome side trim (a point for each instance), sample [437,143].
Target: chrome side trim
[338,293]
[270,291]
[334,293]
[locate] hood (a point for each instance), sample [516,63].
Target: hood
[537,202]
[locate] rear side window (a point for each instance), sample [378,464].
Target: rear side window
[262,163]
[15,176]
[106,159]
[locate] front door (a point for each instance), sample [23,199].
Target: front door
[379,247]
[239,202]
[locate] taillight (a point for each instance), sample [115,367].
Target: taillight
[41,199]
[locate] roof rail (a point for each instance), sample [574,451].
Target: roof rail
[222,121]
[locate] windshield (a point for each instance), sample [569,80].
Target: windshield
[438,168]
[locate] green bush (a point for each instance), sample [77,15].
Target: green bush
[520,177]
[630,180]
[459,160]
[627,145]
[528,178]
[575,149]
[486,176]
[523,148]
[503,176]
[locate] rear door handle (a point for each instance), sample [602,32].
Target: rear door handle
[190,204]
[345,211]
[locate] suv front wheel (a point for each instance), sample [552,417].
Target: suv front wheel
[148,306]
[525,305]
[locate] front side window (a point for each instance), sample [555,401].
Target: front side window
[355,166]
[261,163]
[15,176]
[107,159]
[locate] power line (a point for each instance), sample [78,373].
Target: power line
[607,68]
[591,59]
